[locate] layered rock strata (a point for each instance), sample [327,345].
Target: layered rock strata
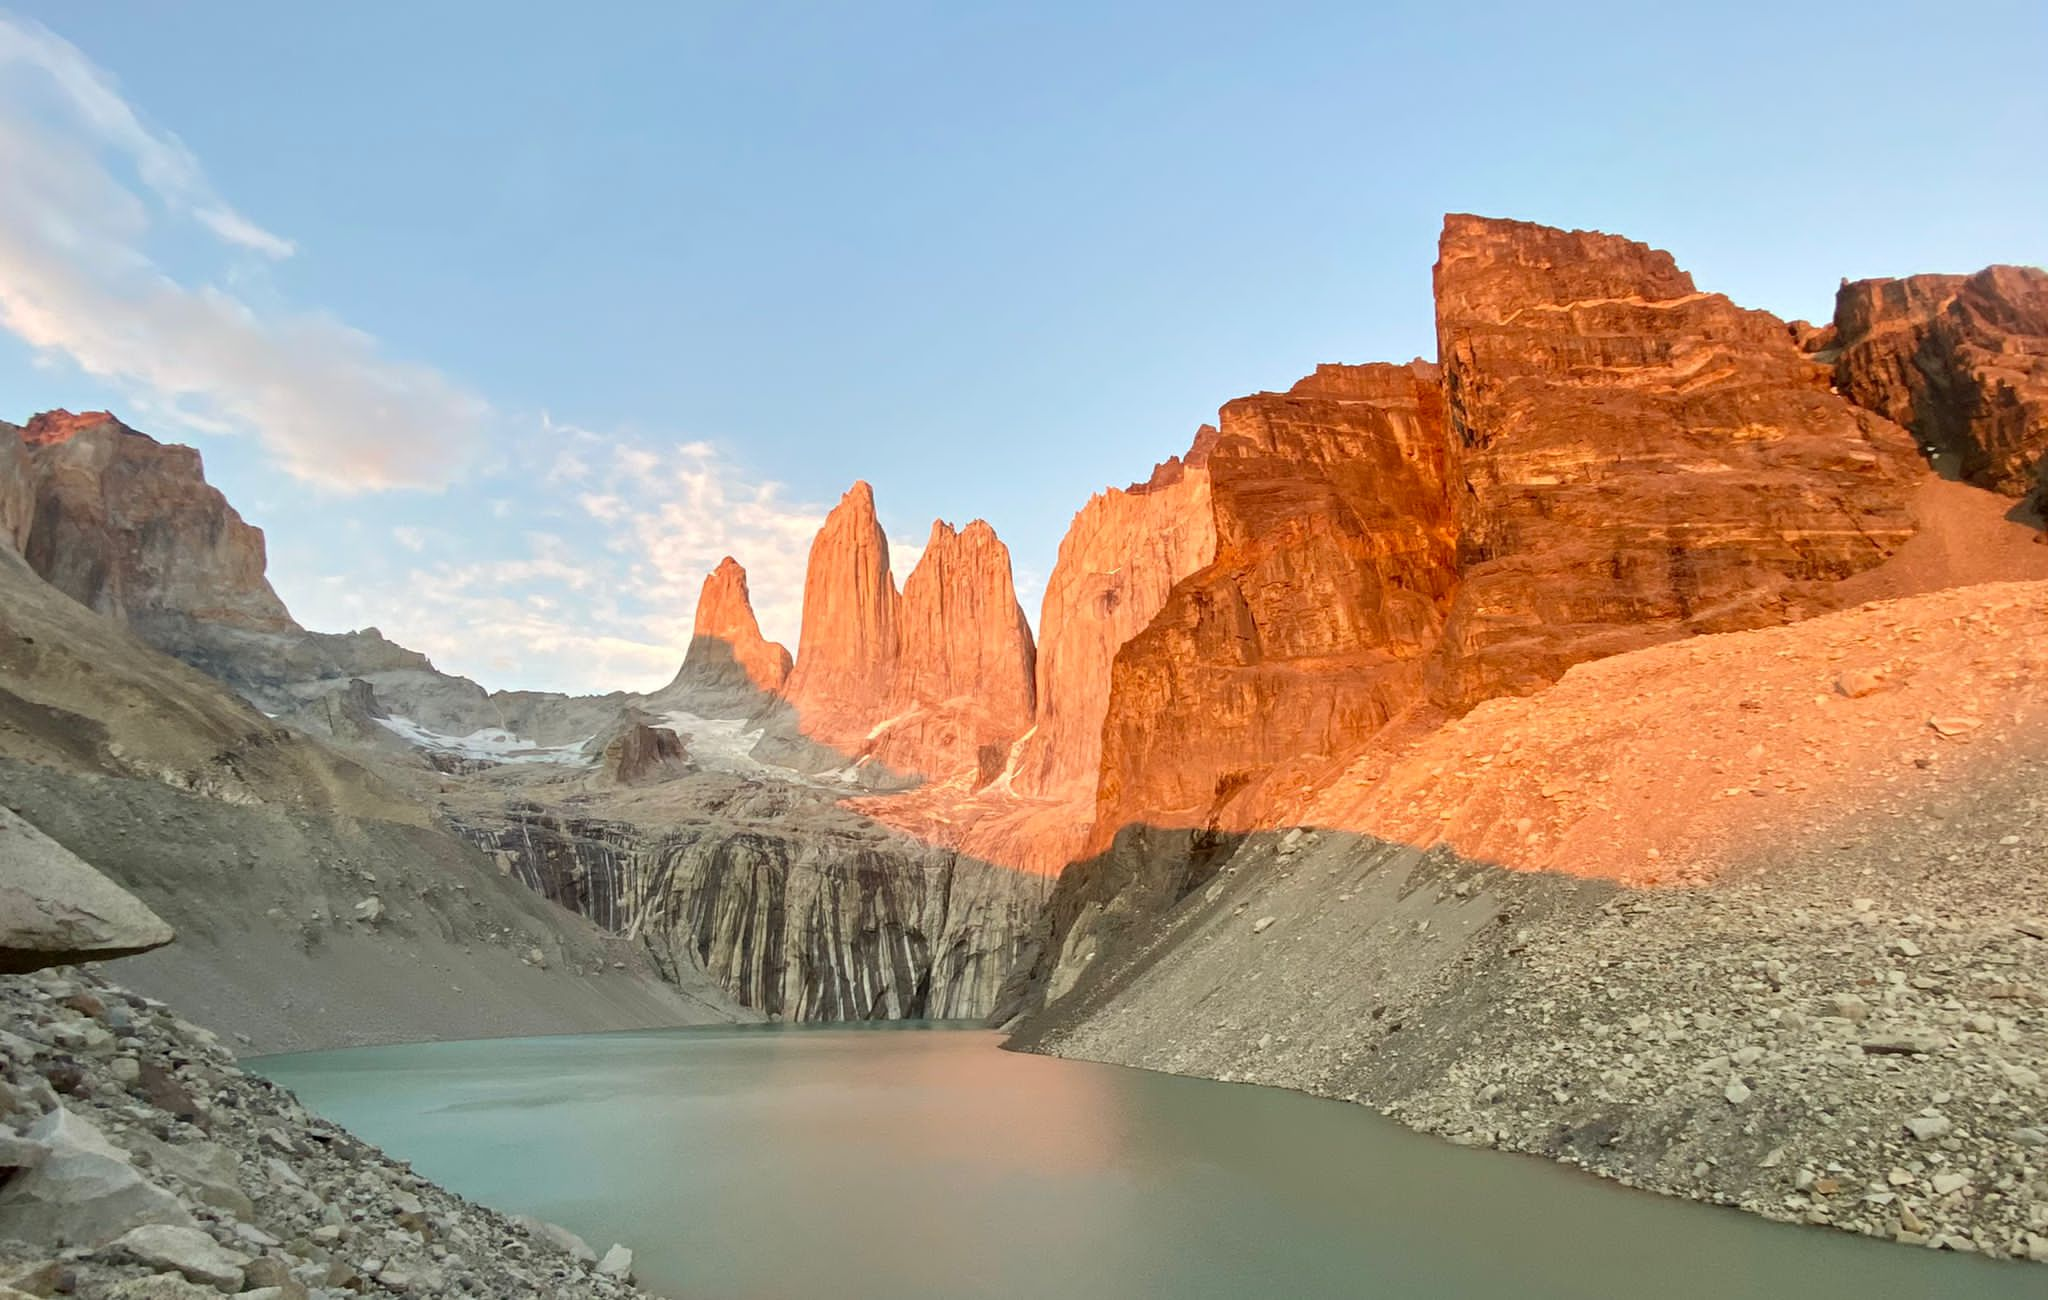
[1636,459]
[1962,361]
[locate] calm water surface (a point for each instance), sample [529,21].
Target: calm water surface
[913,1162]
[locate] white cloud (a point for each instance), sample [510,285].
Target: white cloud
[602,599]
[89,184]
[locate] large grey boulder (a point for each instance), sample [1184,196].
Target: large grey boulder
[83,1192]
[183,1250]
[56,910]
[557,1236]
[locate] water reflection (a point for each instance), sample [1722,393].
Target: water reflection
[808,1162]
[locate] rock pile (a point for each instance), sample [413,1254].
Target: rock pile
[141,1163]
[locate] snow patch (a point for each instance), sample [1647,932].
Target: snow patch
[491,745]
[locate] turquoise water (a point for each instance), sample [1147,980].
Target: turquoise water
[921,1161]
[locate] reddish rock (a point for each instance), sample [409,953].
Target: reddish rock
[963,687]
[1640,460]
[130,527]
[49,427]
[1962,361]
[1120,558]
[635,753]
[844,681]
[1334,564]
[728,658]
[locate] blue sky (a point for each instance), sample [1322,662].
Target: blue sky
[506,321]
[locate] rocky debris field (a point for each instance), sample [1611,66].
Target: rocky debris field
[141,1163]
[1850,1031]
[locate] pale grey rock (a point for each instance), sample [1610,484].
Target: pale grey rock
[617,1262]
[1929,1127]
[55,910]
[557,1236]
[85,1192]
[186,1251]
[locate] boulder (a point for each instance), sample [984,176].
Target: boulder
[187,1251]
[84,1193]
[55,910]
[617,1262]
[632,751]
[557,1236]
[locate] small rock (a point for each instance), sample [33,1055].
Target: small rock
[1262,924]
[1929,1127]
[1736,1092]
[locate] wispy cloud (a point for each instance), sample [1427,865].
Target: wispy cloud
[91,188]
[600,595]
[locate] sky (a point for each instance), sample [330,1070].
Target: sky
[506,321]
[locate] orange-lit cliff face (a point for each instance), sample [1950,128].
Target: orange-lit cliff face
[728,657]
[1334,561]
[1609,459]
[1962,361]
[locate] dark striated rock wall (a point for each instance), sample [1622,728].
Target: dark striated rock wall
[793,906]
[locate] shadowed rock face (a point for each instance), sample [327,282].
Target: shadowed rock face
[729,661]
[1962,361]
[793,905]
[130,527]
[1334,562]
[1636,460]
[635,753]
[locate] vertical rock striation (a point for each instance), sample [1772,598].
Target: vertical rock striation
[1960,360]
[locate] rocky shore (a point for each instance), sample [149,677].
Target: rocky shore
[138,1161]
[1851,1031]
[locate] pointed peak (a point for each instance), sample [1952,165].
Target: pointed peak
[941,532]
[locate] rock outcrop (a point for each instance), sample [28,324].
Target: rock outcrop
[963,689]
[130,527]
[1121,555]
[730,667]
[1962,361]
[1635,460]
[55,910]
[844,681]
[1335,561]
[795,906]
[635,752]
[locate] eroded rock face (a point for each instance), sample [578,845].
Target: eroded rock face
[130,527]
[845,675]
[1962,361]
[729,662]
[793,905]
[963,687]
[1122,554]
[1638,459]
[1335,561]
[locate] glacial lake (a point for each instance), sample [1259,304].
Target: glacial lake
[922,1161]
